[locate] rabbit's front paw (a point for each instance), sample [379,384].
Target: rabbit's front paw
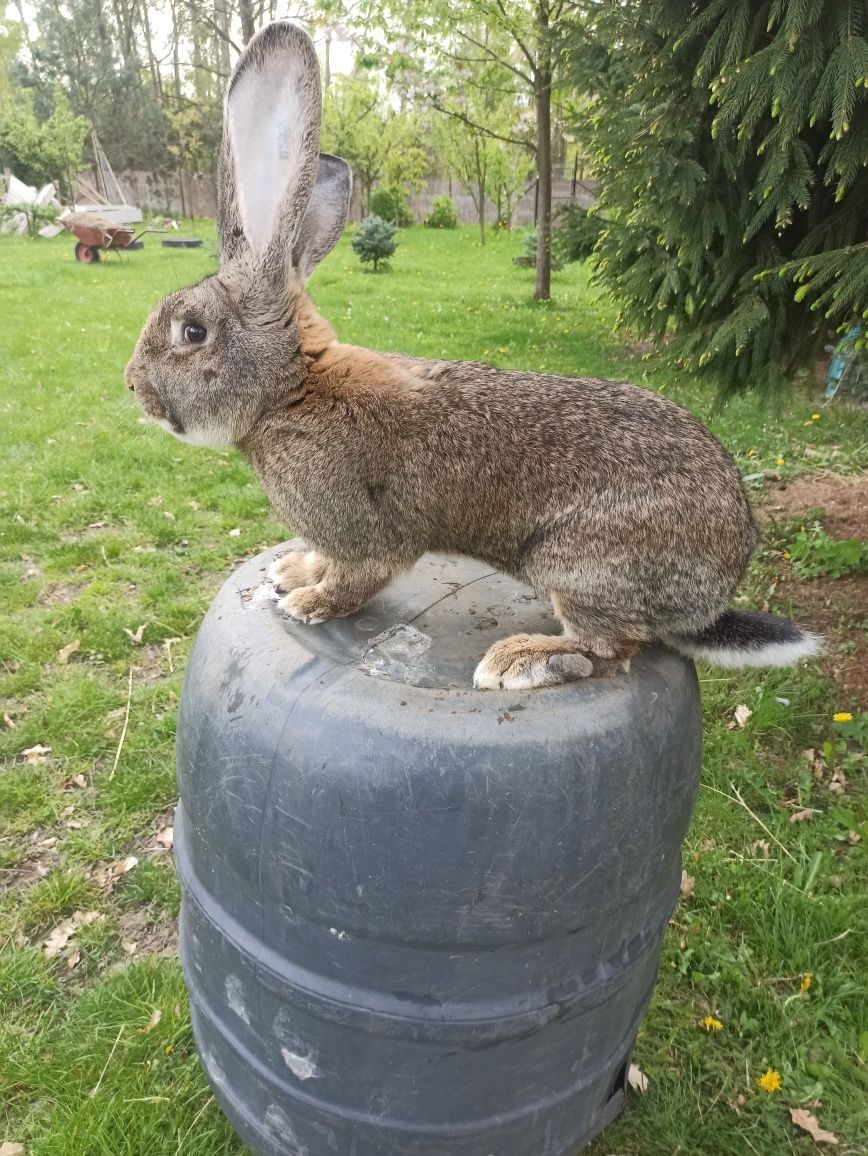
[294,570]
[313,605]
[525,661]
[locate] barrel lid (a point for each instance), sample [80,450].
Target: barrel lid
[428,628]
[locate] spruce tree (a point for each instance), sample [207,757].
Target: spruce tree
[374,241]
[732,141]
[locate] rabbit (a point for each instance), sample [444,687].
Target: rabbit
[609,498]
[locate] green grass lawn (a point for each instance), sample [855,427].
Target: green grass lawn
[114,537]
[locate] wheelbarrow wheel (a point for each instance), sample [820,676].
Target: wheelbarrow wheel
[88,254]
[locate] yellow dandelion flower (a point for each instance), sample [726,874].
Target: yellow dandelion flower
[842,716]
[807,980]
[712,1025]
[770,1081]
[815,416]
[780,462]
[751,453]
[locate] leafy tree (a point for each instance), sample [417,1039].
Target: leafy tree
[377,141]
[374,241]
[94,58]
[731,137]
[515,49]
[41,152]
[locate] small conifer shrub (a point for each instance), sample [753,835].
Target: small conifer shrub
[374,241]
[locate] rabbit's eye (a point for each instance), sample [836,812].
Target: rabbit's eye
[194,334]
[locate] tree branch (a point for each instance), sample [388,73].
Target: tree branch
[525,51]
[528,80]
[456,115]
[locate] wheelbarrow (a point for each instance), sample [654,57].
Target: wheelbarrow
[96,235]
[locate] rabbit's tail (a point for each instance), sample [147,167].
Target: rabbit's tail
[747,638]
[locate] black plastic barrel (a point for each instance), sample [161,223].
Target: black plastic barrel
[419,918]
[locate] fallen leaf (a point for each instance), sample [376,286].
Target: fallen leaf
[166,836]
[762,847]
[97,525]
[67,811]
[737,1104]
[86,918]
[854,838]
[808,1123]
[78,781]
[59,938]
[236,533]
[156,1016]
[838,782]
[157,500]
[74,824]
[136,636]
[36,754]
[637,1079]
[74,958]
[688,883]
[803,816]
[742,714]
[7,721]
[66,652]
[124,865]
[49,842]
[10,1149]
[129,947]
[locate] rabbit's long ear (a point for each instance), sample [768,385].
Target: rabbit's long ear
[326,214]
[268,161]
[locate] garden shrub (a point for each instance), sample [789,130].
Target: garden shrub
[443,214]
[390,204]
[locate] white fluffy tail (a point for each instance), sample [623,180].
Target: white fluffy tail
[747,638]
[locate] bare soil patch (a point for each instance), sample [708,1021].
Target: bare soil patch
[836,608]
[152,933]
[59,594]
[843,500]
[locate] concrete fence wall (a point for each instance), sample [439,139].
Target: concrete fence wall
[191,195]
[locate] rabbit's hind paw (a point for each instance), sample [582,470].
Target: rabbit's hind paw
[525,661]
[312,606]
[296,569]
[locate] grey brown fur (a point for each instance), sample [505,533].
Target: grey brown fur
[610,498]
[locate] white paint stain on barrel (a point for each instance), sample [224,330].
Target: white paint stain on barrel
[302,1066]
[235,997]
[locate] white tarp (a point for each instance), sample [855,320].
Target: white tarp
[18,193]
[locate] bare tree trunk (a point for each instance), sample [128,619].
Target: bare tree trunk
[124,24]
[221,19]
[248,27]
[153,67]
[176,50]
[24,25]
[480,193]
[543,93]
[327,79]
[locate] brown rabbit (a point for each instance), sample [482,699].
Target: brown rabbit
[614,501]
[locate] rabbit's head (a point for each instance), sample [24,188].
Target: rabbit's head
[214,358]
